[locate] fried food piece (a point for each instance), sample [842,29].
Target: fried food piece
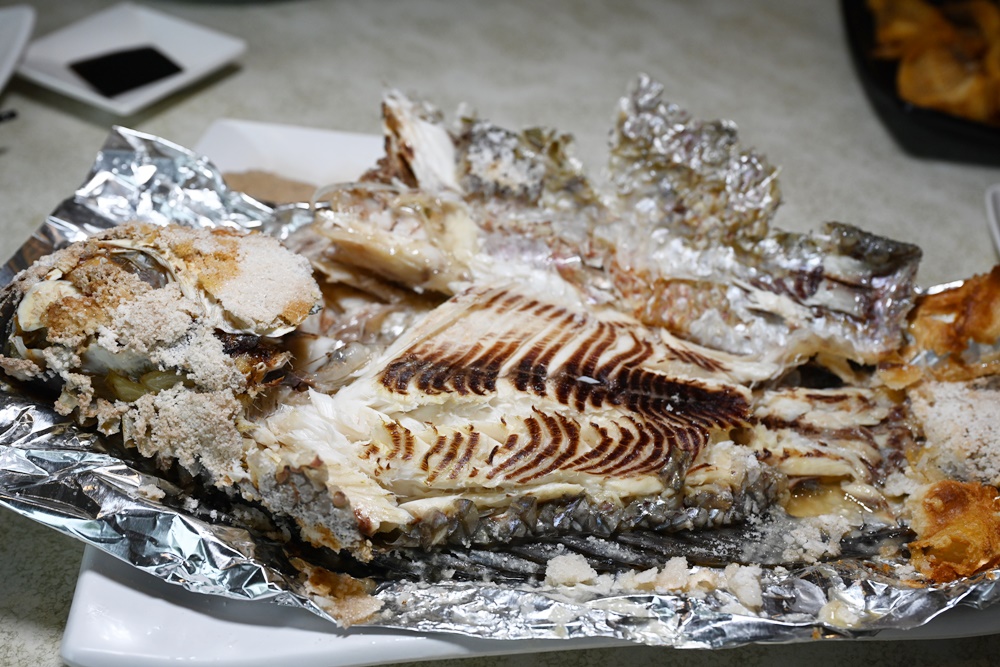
[958,524]
[949,55]
[953,335]
[943,78]
[978,21]
[902,24]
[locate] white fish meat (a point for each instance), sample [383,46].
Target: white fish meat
[500,397]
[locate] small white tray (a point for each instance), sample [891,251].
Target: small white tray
[199,51]
[319,157]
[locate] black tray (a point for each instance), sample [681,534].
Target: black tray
[923,133]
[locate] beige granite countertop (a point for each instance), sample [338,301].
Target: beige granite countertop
[780,70]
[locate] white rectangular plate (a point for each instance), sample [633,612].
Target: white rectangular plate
[122,617]
[199,51]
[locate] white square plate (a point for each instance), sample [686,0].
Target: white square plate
[16,23]
[122,617]
[197,50]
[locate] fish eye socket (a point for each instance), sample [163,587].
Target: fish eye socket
[144,267]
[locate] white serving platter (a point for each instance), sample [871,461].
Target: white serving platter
[198,51]
[122,617]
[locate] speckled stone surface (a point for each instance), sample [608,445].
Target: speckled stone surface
[780,69]
[38,569]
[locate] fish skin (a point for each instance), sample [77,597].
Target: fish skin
[702,207]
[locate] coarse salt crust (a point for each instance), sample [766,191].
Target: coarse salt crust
[195,428]
[147,320]
[569,570]
[123,321]
[676,576]
[814,538]
[959,422]
[264,287]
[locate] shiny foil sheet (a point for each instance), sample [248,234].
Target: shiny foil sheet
[91,489]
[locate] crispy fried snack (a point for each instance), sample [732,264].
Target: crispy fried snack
[953,335]
[949,54]
[959,528]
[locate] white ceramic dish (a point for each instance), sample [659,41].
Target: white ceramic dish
[16,24]
[121,617]
[198,51]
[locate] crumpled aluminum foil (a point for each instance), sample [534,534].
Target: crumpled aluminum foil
[84,487]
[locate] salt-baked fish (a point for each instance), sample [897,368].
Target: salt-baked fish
[503,360]
[682,243]
[485,206]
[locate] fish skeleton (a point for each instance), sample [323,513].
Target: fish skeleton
[500,396]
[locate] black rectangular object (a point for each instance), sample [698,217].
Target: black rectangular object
[121,71]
